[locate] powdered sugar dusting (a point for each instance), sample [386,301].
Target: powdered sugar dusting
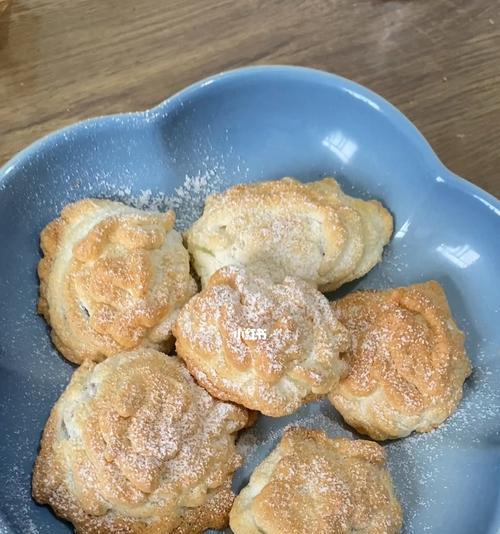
[297,355]
[20,484]
[164,435]
[187,200]
[419,464]
[257,442]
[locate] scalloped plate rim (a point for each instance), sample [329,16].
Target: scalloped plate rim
[396,117]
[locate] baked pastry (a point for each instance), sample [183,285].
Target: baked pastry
[133,446]
[112,278]
[309,230]
[407,361]
[313,484]
[268,346]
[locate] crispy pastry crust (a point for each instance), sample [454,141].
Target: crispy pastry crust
[112,278]
[312,231]
[133,445]
[313,484]
[270,347]
[407,361]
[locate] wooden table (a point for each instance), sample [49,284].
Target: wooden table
[437,60]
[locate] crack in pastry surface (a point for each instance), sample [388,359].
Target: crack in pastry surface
[312,483]
[112,278]
[407,361]
[312,231]
[135,446]
[269,346]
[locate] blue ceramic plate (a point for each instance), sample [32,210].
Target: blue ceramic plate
[253,124]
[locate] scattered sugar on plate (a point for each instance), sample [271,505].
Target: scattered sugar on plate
[187,200]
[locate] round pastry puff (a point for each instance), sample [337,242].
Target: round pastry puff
[268,346]
[112,278]
[313,484]
[286,228]
[407,361]
[133,446]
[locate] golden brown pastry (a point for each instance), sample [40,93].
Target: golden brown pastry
[407,361]
[312,231]
[133,446]
[313,484]
[268,346]
[112,278]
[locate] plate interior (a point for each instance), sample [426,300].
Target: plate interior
[265,124]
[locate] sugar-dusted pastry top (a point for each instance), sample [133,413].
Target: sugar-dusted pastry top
[268,346]
[407,361]
[309,230]
[133,445]
[112,278]
[313,484]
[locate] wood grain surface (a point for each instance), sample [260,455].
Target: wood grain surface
[437,60]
